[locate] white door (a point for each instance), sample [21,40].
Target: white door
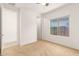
[9,26]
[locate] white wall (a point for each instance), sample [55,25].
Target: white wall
[9,25]
[28,26]
[71,41]
[39,28]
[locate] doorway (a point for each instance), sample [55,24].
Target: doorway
[8,27]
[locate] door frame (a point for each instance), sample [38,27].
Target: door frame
[13,9]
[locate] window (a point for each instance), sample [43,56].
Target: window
[53,28]
[60,26]
[64,26]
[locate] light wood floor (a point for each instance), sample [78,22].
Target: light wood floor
[40,48]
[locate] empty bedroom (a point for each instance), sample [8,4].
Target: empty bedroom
[39,29]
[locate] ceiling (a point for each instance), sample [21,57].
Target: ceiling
[39,8]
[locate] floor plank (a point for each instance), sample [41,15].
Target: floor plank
[40,48]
